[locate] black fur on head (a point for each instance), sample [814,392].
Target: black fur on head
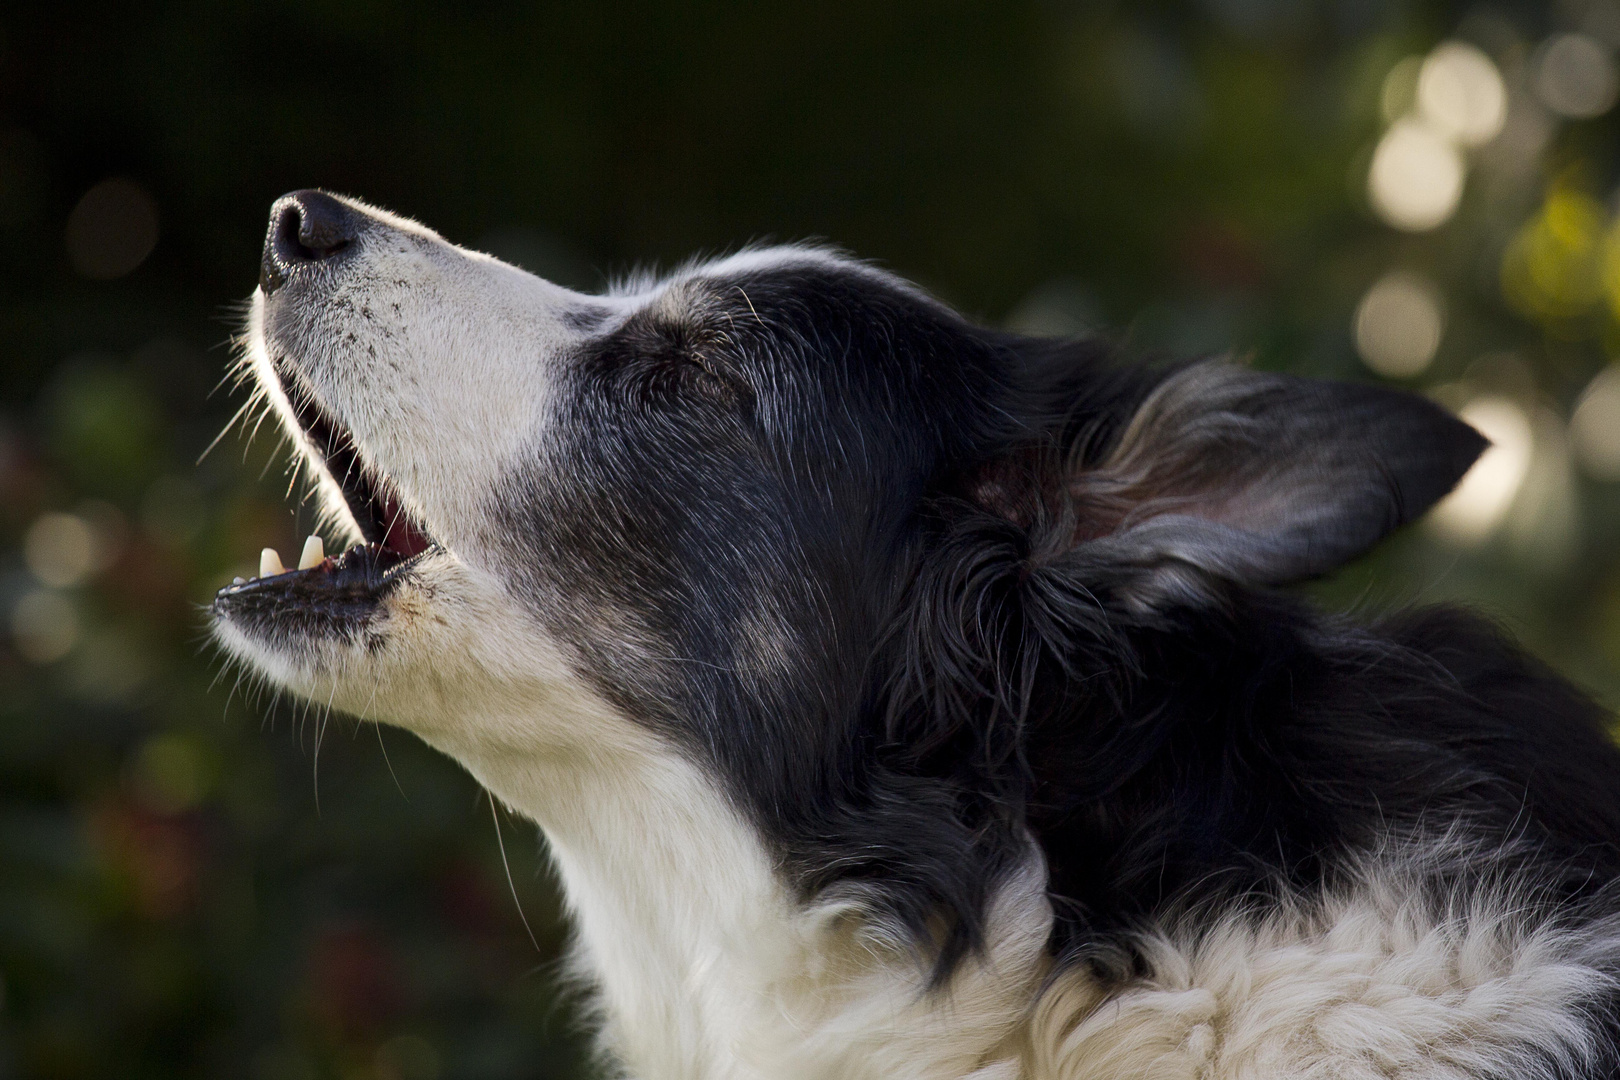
[926,597]
[1029,664]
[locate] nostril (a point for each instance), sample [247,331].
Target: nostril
[325,226]
[305,227]
[284,234]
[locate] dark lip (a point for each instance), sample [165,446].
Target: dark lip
[337,597]
[363,569]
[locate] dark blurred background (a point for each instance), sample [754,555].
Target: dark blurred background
[198,880]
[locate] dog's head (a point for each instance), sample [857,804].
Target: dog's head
[770,505]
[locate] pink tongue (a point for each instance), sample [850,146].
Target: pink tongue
[402,536]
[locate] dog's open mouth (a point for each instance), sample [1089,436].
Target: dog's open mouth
[335,592]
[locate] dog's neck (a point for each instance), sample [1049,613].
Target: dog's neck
[709,968]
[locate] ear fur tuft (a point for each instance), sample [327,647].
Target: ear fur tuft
[1250,477]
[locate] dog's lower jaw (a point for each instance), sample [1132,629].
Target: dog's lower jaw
[706,967]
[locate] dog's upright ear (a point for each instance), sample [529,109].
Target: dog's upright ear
[1226,473]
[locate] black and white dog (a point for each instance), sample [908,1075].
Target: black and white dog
[906,699]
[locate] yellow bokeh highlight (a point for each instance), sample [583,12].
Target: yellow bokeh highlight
[1561,262]
[1611,268]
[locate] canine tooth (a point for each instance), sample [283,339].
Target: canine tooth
[270,563]
[314,552]
[238,581]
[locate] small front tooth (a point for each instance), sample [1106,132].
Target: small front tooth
[314,552]
[238,581]
[270,563]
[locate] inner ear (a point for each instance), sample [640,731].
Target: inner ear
[1254,477]
[1012,487]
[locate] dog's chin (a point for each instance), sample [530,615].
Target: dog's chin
[315,631]
[350,633]
[432,645]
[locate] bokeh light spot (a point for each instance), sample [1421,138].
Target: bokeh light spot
[1516,154]
[1399,91]
[1460,93]
[1398,324]
[1543,525]
[1062,307]
[1595,427]
[61,549]
[112,230]
[108,667]
[1416,177]
[1575,76]
[1610,271]
[1474,510]
[1553,267]
[44,626]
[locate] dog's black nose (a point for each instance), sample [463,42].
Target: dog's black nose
[305,227]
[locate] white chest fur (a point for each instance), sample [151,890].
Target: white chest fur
[708,970]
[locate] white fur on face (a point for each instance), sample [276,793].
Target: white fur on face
[437,360]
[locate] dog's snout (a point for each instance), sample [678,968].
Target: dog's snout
[305,227]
